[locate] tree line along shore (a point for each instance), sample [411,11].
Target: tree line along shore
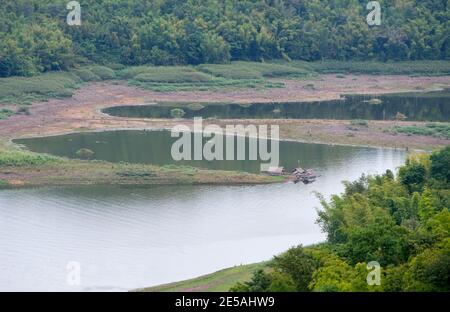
[400,221]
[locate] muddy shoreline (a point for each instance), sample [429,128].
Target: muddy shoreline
[82,112]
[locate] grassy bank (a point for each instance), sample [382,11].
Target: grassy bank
[17,93]
[411,68]
[24,91]
[220,281]
[237,75]
[21,92]
[25,169]
[368,133]
[437,130]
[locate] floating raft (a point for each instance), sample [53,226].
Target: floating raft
[298,174]
[306,176]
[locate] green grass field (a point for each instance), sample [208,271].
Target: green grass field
[25,90]
[186,78]
[220,281]
[412,68]
[17,158]
[22,91]
[438,130]
[16,93]
[253,70]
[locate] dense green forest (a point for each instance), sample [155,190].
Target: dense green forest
[34,35]
[403,223]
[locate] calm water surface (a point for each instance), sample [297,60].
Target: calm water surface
[429,106]
[126,238]
[154,147]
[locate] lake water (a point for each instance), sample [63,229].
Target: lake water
[127,237]
[430,106]
[154,147]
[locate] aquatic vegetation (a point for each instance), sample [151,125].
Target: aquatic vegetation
[374,101]
[85,153]
[177,113]
[195,106]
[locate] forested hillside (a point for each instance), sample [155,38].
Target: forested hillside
[34,35]
[401,222]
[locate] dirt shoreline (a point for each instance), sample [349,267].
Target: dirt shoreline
[82,112]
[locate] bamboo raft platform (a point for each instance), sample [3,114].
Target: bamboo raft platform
[306,176]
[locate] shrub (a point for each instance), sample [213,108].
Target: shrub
[359,122]
[177,113]
[298,264]
[84,153]
[5,113]
[400,116]
[440,168]
[430,270]
[116,66]
[374,101]
[103,72]
[131,72]
[281,283]
[413,176]
[195,106]
[86,75]
[260,282]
